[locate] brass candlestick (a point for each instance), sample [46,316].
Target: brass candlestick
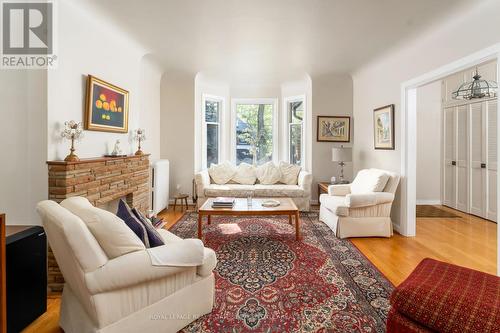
[139,136]
[72,131]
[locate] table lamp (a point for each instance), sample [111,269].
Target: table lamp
[341,155]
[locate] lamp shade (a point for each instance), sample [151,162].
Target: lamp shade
[341,154]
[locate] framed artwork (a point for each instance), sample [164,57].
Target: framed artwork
[106,107]
[334,129]
[383,127]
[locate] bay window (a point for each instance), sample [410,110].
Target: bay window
[254,131]
[211,146]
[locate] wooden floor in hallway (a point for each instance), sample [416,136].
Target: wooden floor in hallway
[467,241]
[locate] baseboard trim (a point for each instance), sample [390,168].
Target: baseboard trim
[429,202]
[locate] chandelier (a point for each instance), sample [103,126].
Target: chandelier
[478,88]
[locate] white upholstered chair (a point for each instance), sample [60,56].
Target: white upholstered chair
[363,208]
[126,293]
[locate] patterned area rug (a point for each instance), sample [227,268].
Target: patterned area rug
[266,281]
[433,211]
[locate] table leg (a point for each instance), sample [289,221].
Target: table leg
[209,219]
[290,219]
[200,219]
[175,203]
[297,226]
[186,201]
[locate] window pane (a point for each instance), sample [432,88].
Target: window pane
[295,112]
[254,133]
[296,144]
[212,144]
[212,111]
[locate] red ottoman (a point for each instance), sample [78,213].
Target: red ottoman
[445,298]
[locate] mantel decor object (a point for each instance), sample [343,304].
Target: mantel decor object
[341,155]
[117,151]
[72,131]
[139,136]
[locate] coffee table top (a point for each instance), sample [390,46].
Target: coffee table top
[241,207]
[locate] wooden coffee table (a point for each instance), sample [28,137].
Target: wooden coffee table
[241,208]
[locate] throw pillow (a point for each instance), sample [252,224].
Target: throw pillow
[245,174]
[369,180]
[114,237]
[268,173]
[125,213]
[289,173]
[154,236]
[221,173]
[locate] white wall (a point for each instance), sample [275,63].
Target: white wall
[379,83]
[23,127]
[177,128]
[331,96]
[89,44]
[429,143]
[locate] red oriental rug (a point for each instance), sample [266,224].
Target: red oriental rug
[266,281]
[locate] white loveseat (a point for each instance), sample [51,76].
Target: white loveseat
[363,208]
[244,180]
[127,293]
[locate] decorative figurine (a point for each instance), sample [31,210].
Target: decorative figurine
[72,131]
[117,150]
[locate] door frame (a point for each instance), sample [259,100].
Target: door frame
[408,125]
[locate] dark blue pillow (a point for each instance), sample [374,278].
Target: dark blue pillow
[132,222]
[153,235]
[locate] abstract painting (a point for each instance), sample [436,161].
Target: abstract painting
[333,129]
[107,107]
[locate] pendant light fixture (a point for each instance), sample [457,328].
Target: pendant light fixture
[478,88]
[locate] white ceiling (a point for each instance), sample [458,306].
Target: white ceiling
[273,39]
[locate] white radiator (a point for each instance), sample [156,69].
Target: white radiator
[159,184]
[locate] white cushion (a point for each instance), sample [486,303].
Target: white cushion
[112,234]
[336,204]
[278,190]
[268,173]
[245,174]
[229,190]
[289,173]
[221,173]
[369,180]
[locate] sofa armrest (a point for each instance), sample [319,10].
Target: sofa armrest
[202,180]
[340,190]
[128,270]
[368,199]
[305,181]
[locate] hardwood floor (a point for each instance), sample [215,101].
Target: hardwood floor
[467,241]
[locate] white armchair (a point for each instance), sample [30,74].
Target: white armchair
[127,293]
[363,208]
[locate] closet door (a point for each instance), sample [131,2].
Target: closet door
[491,163]
[462,161]
[449,177]
[477,153]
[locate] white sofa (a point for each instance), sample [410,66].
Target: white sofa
[299,192]
[126,293]
[363,208]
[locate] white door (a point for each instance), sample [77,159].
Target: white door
[449,177]
[491,162]
[477,153]
[462,159]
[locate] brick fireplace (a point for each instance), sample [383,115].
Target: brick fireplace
[100,180]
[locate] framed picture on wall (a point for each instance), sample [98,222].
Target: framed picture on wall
[106,107]
[383,127]
[334,129]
